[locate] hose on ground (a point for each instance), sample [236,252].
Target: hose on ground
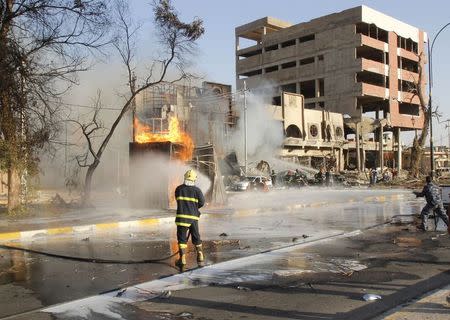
[91,260]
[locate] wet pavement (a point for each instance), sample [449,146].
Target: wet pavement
[30,281]
[116,209]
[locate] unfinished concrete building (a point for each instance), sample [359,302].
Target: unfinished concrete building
[358,62]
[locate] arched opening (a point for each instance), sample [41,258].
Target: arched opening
[293,131]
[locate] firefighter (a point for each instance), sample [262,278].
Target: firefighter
[189,199]
[432,194]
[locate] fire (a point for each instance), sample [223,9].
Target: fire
[144,134]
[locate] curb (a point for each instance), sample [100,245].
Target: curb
[106,226]
[28,235]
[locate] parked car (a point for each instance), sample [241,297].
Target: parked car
[252,183]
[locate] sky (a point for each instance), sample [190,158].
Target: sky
[215,59]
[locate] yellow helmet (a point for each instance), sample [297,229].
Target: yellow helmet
[190,175]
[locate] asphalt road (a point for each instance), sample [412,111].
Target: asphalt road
[30,282]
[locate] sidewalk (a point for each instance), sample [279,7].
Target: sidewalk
[108,218]
[435,306]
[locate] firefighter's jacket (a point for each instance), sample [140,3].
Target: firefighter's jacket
[189,200]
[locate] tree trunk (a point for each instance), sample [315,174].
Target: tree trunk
[87,201]
[417,147]
[13,188]
[416,158]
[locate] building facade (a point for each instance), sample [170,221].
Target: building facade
[312,137]
[358,62]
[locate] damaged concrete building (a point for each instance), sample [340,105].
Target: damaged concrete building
[358,62]
[313,137]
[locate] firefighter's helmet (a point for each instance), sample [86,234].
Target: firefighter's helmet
[190,175]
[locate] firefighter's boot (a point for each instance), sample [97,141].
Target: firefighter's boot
[200,256]
[181,262]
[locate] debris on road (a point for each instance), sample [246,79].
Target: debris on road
[225,242]
[165,294]
[407,242]
[185,315]
[243,288]
[121,292]
[223,235]
[371,297]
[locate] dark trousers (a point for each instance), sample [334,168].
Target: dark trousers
[194,231]
[438,209]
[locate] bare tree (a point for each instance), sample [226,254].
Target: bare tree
[177,39]
[420,139]
[44,44]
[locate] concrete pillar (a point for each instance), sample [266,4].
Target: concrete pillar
[358,151]
[399,148]
[363,152]
[317,85]
[347,158]
[381,151]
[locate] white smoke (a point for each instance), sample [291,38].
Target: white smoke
[264,133]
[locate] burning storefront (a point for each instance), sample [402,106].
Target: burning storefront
[168,122]
[152,180]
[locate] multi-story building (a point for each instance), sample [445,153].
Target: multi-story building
[358,62]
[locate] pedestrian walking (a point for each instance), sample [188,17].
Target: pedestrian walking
[189,199]
[432,194]
[373,176]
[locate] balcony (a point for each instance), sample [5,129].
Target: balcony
[408,75]
[371,42]
[407,54]
[373,90]
[408,97]
[248,51]
[373,66]
[280,54]
[250,63]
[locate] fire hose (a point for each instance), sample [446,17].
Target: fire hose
[91,260]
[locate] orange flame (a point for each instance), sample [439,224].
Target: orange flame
[144,134]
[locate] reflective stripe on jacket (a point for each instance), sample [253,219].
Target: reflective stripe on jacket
[189,200]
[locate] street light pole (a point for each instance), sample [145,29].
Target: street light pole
[430,87]
[245,127]
[430,109]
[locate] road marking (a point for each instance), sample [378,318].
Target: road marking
[63,230]
[10,236]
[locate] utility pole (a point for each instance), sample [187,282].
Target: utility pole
[430,108]
[245,127]
[133,104]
